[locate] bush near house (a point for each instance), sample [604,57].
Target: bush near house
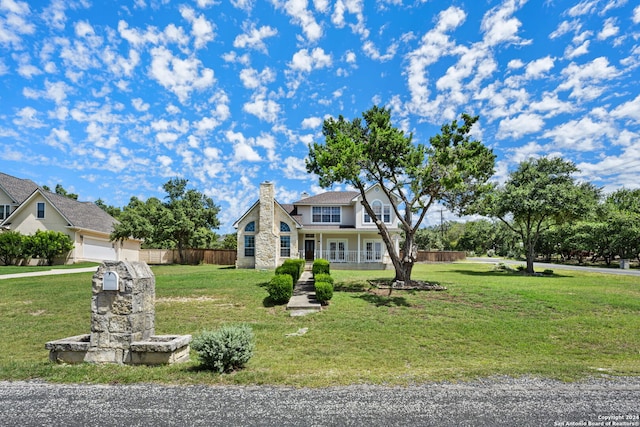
[225,350]
[280,288]
[320,266]
[322,277]
[292,267]
[12,247]
[324,292]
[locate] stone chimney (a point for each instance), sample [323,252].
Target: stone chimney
[266,236]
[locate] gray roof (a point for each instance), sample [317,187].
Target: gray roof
[330,198]
[85,215]
[18,189]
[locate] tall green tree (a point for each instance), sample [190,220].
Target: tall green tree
[540,193]
[452,169]
[185,219]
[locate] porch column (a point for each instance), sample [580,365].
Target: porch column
[320,245]
[358,248]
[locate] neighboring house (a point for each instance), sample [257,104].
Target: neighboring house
[26,207]
[331,225]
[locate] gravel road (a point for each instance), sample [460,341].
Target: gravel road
[491,402]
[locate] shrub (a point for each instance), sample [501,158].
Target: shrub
[291,267]
[548,272]
[324,292]
[48,244]
[320,266]
[225,350]
[300,263]
[12,246]
[280,288]
[322,277]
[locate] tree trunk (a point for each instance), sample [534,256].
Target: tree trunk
[531,254]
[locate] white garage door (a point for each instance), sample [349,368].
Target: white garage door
[99,250]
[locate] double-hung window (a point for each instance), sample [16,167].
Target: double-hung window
[285,240]
[325,214]
[40,210]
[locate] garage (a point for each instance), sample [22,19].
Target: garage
[98,250]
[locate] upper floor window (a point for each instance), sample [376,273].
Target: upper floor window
[330,214]
[284,227]
[250,227]
[5,210]
[40,210]
[381,211]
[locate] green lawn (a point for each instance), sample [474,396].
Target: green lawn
[569,326]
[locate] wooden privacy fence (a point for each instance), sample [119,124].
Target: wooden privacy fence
[441,256]
[192,256]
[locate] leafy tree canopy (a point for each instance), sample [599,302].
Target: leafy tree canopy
[185,219]
[452,169]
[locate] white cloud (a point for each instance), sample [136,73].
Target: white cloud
[636,15]
[28,117]
[630,109]
[565,27]
[311,122]
[610,29]
[583,80]
[434,44]
[372,51]
[519,126]
[585,7]
[164,160]
[574,51]
[295,168]
[261,107]
[499,26]
[300,15]
[180,76]
[244,152]
[139,104]
[536,69]
[245,5]
[581,135]
[253,38]
[251,79]
[306,61]
[515,64]
[201,29]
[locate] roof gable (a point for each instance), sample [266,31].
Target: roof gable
[17,189]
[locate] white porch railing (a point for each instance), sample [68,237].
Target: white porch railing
[352,257]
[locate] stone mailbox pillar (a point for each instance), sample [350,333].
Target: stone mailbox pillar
[122,322]
[122,310]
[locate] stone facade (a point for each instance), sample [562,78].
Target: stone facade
[266,237]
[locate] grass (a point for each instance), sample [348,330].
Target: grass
[569,326]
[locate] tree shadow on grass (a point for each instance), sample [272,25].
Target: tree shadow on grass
[506,273]
[384,301]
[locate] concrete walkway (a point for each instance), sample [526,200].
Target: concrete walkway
[304,300]
[49,272]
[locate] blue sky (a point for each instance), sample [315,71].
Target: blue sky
[113,98]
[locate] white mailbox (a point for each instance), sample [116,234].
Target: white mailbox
[110,281]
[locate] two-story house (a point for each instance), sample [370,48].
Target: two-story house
[332,225]
[26,207]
